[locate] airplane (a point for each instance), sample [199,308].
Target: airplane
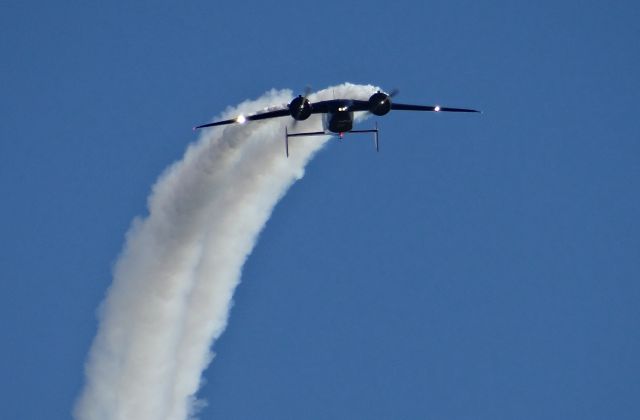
[337,114]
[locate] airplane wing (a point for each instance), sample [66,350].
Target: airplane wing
[434,108]
[359,105]
[240,119]
[333,105]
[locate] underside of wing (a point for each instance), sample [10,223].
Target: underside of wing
[241,118]
[337,105]
[358,105]
[431,108]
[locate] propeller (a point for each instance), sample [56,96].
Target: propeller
[307,92]
[380,102]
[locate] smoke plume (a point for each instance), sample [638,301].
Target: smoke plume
[174,280]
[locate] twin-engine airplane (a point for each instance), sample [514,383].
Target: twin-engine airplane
[338,114]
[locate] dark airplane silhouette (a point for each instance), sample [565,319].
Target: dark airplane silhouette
[338,114]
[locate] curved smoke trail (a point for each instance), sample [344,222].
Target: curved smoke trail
[173,283]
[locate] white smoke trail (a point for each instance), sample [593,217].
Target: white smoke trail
[173,283]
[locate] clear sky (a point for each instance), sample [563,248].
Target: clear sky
[480,266]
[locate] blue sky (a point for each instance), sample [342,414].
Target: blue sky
[480,266]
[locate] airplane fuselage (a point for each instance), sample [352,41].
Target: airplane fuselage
[339,121]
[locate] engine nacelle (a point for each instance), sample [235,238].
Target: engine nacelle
[300,108]
[379,103]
